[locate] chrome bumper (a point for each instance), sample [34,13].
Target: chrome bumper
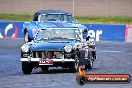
[38,59]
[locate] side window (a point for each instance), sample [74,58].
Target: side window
[69,18]
[42,18]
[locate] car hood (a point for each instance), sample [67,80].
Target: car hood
[50,46]
[59,25]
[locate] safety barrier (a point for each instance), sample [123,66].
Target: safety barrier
[99,32]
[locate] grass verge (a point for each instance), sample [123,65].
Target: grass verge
[92,19]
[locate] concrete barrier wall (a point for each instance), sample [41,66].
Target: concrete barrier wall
[99,32]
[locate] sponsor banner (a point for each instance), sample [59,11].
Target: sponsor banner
[128,33]
[106,32]
[11,29]
[98,32]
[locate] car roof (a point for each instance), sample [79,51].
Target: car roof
[51,12]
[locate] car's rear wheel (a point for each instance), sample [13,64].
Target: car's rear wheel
[75,65]
[26,68]
[44,68]
[26,37]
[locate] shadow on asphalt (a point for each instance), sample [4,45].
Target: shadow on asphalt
[53,71]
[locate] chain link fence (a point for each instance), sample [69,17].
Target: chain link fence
[77,7]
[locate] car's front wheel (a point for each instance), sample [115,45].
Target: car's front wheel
[26,68]
[74,66]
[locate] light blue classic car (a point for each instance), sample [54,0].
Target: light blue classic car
[49,19]
[54,47]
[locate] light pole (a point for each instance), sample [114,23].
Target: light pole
[41,4]
[10,6]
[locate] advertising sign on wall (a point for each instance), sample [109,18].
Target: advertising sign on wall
[106,32]
[11,29]
[98,32]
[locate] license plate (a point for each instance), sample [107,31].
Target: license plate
[46,62]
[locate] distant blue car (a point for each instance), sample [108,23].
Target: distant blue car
[58,47]
[49,19]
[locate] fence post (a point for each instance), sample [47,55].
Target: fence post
[106,9]
[73,4]
[10,6]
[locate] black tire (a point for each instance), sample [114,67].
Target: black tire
[26,37]
[26,68]
[44,68]
[72,67]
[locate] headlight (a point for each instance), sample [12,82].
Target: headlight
[68,48]
[25,48]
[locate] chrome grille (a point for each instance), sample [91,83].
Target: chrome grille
[47,54]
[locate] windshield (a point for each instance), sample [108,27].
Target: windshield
[56,17]
[56,34]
